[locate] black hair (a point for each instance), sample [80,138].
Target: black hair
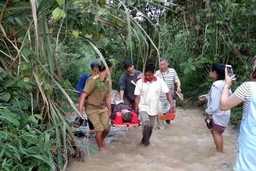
[150,66]
[102,66]
[220,70]
[127,63]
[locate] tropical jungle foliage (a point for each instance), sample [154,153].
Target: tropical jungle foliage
[46,45]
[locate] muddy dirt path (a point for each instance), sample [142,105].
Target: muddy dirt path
[185,145]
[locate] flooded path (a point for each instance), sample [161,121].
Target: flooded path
[185,145]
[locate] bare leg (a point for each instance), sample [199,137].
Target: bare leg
[218,140]
[104,135]
[98,138]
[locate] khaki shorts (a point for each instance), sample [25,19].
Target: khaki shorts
[99,119]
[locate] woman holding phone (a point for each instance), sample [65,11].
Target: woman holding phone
[246,93]
[216,119]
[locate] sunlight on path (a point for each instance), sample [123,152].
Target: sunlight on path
[185,145]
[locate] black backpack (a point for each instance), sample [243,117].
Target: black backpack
[79,121]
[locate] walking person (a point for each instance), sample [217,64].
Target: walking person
[147,91]
[97,91]
[81,83]
[127,82]
[216,119]
[170,76]
[246,94]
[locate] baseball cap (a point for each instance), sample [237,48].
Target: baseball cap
[94,64]
[127,63]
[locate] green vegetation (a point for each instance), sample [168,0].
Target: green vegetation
[46,46]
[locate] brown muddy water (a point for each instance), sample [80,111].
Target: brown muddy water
[184,145]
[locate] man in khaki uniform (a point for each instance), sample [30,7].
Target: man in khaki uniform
[97,92]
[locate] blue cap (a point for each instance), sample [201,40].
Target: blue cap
[94,64]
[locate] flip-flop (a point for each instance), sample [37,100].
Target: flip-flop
[180,95]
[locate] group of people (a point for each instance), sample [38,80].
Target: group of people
[142,91]
[153,92]
[130,77]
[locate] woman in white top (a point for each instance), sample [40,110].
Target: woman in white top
[246,93]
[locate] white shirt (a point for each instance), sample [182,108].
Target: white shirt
[149,94]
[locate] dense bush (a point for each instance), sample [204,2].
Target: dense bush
[23,145]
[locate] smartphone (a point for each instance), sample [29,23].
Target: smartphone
[230,70]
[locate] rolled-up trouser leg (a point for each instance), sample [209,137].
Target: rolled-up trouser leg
[147,126]
[150,131]
[146,135]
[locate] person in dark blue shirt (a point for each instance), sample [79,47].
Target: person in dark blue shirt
[81,83]
[127,83]
[82,80]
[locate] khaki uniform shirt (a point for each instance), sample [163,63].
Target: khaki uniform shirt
[96,89]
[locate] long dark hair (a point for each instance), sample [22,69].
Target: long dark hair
[219,69]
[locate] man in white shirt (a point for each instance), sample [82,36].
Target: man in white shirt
[147,91]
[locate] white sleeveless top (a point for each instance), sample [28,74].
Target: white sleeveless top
[246,157]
